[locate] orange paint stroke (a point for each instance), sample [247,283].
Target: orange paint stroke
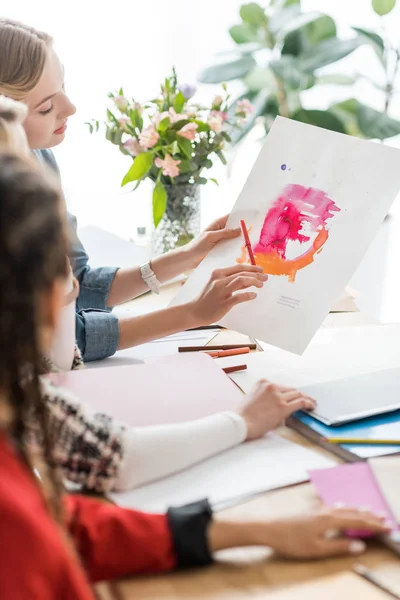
[297,205]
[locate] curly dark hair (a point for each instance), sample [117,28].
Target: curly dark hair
[33,249]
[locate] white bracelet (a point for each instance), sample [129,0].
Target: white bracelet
[150,278]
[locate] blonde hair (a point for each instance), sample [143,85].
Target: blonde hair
[12,135]
[23,52]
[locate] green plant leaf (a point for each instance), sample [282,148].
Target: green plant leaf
[376,125]
[282,17]
[179,102]
[243,33]
[179,124]
[159,202]
[320,29]
[226,71]
[259,79]
[288,70]
[320,118]
[383,7]
[312,33]
[335,79]
[253,14]
[186,147]
[373,39]
[298,22]
[214,181]
[164,124]
[221,156]
[139,167]
[327,52]
[346,111]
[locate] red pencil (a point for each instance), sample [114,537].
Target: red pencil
[247,242]
[233,369]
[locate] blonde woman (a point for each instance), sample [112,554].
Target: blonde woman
[31,71]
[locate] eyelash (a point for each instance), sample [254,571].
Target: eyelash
[46,112]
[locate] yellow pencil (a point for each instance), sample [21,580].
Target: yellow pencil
[362,441]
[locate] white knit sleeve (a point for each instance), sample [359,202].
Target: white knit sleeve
[150,453]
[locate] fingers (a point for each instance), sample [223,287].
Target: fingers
[300,404]
[292,395]
[222,234]
[241,282]
[227,271]
[359,521]
[218,223]
[240,298]
[342,546]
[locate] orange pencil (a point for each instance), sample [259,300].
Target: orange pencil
[247,242]
[234,352]
[234,369]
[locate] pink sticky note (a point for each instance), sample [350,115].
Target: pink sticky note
[172,389]
[353,485]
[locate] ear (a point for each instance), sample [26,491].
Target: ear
[49,312]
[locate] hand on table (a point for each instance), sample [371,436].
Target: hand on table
[269,405]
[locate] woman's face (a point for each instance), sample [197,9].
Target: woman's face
[48,107]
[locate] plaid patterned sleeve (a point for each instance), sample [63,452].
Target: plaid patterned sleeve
[90,446]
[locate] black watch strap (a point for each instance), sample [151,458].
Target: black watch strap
[189,526]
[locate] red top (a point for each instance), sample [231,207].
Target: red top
[37,562]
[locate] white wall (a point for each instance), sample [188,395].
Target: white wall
[134,44]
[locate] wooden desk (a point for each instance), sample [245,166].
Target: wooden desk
[254,572]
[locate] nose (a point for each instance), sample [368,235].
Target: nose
[68,109]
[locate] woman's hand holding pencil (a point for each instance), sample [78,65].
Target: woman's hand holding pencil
[226,289]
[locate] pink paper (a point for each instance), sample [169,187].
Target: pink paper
[170,390]
[354,486]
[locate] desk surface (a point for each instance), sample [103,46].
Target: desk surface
[252,572]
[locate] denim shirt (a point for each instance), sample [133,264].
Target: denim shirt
[97,328]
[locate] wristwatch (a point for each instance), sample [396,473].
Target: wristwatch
[150,278]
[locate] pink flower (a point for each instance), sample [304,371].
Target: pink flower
[218,100]
[132,146]
[149,137]
[121,103]
[175,117]
[123,122]
[215,122]
[137,106]
[244,106]
[158,117]
[220,113]
[168,165]
[188,131]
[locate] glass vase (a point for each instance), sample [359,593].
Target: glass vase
[181,220]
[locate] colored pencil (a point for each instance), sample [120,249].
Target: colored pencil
[234,368]
[212,348]
[247,242]
[376,581]
[233,352]
[334,440]
[201,327]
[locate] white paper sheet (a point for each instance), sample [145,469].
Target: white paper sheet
[333,354]
[313,203]
[251,468]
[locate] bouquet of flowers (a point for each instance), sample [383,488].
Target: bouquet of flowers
[171,139]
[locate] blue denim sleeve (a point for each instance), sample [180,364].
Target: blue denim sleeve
[94,283]
[97,334]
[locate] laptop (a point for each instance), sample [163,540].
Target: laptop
[345,400]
